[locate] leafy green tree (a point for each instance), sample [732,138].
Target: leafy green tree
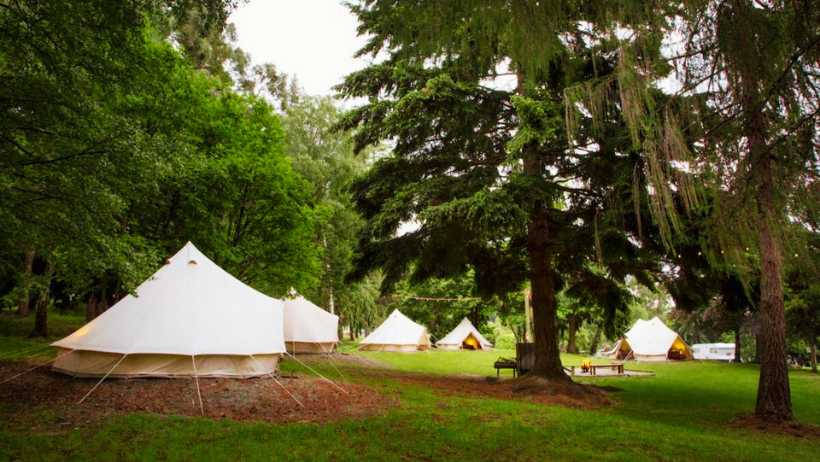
[326,160]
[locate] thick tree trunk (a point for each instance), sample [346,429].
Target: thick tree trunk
[572,330]
[542,284]
[24,303]
[773,393]
[544,308]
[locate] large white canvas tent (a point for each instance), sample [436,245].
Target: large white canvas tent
[189,318]
[397,333]
[651,340]
[714,351]
[308,328]
[464,336]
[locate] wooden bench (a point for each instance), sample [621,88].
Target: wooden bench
[594,367]
[506,363]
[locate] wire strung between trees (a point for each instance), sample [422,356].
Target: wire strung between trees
[442,299]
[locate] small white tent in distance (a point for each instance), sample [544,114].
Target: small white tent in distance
[191,318]
[650,340]
[714,351]
[464,336]
[397,333]
[308,328]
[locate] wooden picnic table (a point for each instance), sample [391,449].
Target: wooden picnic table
[506,363]
[594,367]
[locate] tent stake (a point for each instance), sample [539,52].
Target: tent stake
[196,381]
[101,380]
[320,375]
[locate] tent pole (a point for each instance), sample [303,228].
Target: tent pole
[101,380]
[35,367]
[196,381]
[279,383]
[317,373]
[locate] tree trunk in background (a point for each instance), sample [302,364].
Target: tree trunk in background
[737,343]
[571,334]
[593,348]
[102,302]
[91,307]
[813,358]
[24,303]
[41,314]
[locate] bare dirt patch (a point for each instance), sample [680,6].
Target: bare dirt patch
[752,422]
[43,391]
[563,393]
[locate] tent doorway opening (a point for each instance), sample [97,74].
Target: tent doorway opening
[471,343]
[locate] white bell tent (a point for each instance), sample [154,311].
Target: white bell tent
[191,318]
[308,328]
[397,333]
[651,340]
[464,336]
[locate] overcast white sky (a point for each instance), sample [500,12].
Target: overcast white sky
[313,40]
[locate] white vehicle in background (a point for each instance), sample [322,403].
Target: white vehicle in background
[714,351]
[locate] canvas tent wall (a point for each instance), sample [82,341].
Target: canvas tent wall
[397,333]
[714,351]
[651,340]
[189,318]
[308,328]
[464,336]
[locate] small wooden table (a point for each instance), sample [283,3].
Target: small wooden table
[506,363]
[594,367]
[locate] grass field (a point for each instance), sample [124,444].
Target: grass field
[681,413]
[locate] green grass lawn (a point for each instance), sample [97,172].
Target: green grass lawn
[681,413]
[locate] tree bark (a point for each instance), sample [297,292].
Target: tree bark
[41,313]
[773,393]
[813,357]
[24,304]
[572,330]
